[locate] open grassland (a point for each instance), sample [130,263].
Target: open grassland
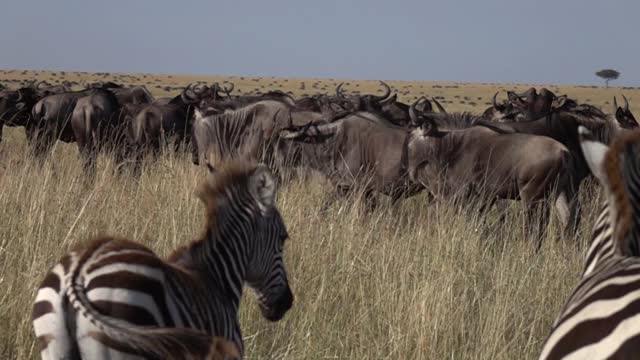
[420,281]
[473,97]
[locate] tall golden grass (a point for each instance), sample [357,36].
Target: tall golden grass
[418,281]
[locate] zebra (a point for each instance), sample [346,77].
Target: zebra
[116,299]
[601,319]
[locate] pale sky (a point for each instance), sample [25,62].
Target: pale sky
[532,41]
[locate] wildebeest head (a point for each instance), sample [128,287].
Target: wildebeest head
[529,105]
[500,111]
[308,145]
[367,102]
[45,89]
[15,105]
[422,110]
[191,95]
[623,115]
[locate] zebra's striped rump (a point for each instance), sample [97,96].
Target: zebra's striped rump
[116,299]
[601,319]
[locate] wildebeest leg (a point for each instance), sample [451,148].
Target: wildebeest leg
[370,200]
[88,154]
[40,143]
[566,204]
[341,192]
[483,211]
[536,221]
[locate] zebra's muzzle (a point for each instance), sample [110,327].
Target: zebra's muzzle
[276,309]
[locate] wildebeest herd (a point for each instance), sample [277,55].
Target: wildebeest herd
[536,147]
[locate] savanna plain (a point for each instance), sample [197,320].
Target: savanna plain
[417,281]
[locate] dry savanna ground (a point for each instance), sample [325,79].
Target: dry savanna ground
[419,281]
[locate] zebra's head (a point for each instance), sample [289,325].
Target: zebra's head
[617,168]
[266,272]
[248,193]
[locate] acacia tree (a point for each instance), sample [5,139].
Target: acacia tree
[608,75]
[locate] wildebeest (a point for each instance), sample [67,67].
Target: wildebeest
[623,115]
[126,95]
[95,122]
[46,89]
[247,132]
[52,120]
[562,126]
[155,123]
[359,152]
[15,106]
[526,106]
[484,163]
[216,103]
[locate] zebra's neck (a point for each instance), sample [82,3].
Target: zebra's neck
[220,259]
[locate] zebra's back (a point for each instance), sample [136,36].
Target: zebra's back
[602,317]
[96,303]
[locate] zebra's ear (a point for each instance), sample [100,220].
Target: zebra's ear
[262,185]
[594,152]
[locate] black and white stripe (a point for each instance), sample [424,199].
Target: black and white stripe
[116,299]
[601,318]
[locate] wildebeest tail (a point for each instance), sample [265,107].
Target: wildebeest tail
[38,112]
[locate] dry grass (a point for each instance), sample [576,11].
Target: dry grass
[414,282]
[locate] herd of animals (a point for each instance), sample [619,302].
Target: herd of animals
[117,299]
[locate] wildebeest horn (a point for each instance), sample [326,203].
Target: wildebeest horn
[495,101]
[615,104]
[294,134]
[19,99]
[229,90]
[440,108]
[626,103]
[412,111]
[558,102]
[386,94]
[188,94]
[339,90]
[38,85]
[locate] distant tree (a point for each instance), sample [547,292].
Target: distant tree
[608,75]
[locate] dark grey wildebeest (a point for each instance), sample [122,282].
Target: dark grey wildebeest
[95,123]
[52,121]
[15,107]
[478,162]
[562,125]
[154,124]
[217,104]
[526,106]
[248,132]
[359,152]
[126,95]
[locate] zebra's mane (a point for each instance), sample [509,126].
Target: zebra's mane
[621,168]
[234,174]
